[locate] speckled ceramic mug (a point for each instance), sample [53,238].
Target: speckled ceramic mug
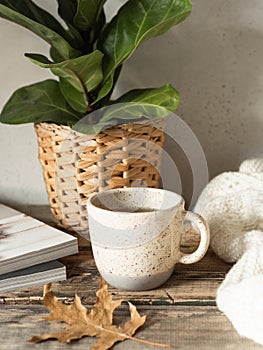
[136,233]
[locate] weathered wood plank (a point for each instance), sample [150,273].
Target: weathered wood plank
[190,284]
[182,327]
[182,312]
[174,292]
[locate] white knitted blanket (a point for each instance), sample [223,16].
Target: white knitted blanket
[232,203]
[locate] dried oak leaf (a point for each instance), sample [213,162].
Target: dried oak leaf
[97,322]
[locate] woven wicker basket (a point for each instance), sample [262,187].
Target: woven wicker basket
[76,165]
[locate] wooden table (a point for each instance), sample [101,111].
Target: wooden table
[182,312]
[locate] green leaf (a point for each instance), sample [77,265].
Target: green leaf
[135,22]
[166,96]
[88,13]
[91,129]
[36,13]
[97,29]
[119,113]
[36,103]
[98,103]
[76,99]
[75,36]
[129,111]
[59,44]
[67,9]
[83,74]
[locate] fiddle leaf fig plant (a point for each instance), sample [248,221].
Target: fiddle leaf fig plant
[86,56]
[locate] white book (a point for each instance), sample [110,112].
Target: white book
[37,275]
[25,241]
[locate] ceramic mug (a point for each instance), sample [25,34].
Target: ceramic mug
[136,233]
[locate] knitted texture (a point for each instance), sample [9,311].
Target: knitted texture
[232,203]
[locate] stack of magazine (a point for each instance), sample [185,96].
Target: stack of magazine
[29,249]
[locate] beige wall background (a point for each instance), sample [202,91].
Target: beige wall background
[214,59]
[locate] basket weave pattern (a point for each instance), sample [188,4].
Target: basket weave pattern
[76,165]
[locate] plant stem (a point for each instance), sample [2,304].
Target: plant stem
[149,342]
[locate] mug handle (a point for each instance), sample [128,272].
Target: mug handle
[204,231]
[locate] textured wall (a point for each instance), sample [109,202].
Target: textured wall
[214,59]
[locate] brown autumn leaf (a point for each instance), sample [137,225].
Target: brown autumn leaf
[96,323]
